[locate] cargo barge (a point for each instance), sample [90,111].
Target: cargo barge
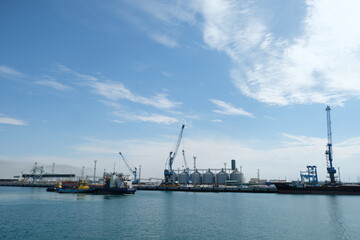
[299,188]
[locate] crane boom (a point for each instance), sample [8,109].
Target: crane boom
[185,163]
[169,172]
[131,168]
[328,153]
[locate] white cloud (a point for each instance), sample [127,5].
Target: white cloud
[165,40]
[302,140]
[11,121]
[165,15]
[320,65]
[147,117]
[167,74]
[217,120]
[228,109]
[53,84]
[64,69]
[6,71]
[115,91]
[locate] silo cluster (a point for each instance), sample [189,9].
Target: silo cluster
[210,178]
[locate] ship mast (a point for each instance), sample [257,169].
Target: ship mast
[328,153]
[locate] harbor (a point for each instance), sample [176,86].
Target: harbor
[190,180]
[179,120]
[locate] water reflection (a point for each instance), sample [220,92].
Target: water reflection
[335,220]
[81,196]
[108,197]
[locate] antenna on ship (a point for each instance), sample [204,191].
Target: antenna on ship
[328,153]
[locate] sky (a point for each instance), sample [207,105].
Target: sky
[84,80]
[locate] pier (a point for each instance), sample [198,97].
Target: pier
[249,189]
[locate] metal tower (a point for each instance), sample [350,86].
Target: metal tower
[328,153]
[309,176]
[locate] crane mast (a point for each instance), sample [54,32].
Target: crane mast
[169,172]
[132,169]
[187,170]
[328,153]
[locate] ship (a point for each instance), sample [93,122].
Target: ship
[309,181]
[328,189]
[82,187]
[115,184]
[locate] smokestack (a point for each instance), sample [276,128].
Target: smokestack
[233,164]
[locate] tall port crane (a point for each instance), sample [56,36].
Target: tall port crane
[328,153]
[169,172]
[131,168]
[187,170]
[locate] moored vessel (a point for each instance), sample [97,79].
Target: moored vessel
[309,181]
[115,184]
[82,187]
[328,189]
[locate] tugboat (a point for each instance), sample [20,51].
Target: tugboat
[115,184]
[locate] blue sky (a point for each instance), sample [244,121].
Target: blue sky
[84,80]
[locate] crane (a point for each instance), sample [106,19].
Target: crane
[328,153]
[131,168]
[187,170]
[169,172]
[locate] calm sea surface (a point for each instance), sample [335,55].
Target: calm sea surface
[33,213]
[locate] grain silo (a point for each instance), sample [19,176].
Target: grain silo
[184,177]
[208,177]
[196,177]
[221,177]
[236,175]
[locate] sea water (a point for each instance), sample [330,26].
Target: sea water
[33,213]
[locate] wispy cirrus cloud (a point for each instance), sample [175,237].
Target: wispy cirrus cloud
[53,84]
[6,71]
[319,63]
[165,40]
[310,55]
[166,16]
[11,121]
[228,109]
[217,120]
[146,117]
[293,140]
[115,91]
